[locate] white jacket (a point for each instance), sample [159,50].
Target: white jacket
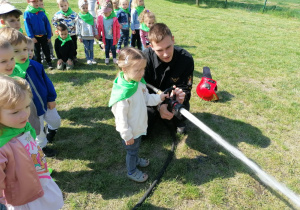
[131,114]
[85,30]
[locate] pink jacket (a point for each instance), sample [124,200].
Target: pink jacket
[116,29]
[18,177]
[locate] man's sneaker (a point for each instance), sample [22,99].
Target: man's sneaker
[89,62]
[49,152]
[50,134]
[115,60]
[106,61]
[93,61]
[50,66]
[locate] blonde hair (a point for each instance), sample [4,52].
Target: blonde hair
[4,44]
[129,57]
[158,32]
[59,1]
[12,35]
[135,3]
[146,14]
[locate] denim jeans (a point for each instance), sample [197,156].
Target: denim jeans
[109,46]
[124,38]
[132,155]
[88,49]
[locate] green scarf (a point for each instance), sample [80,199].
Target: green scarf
[112,14]
[21,30]
[8,133]
[69,12]
[125,10]
[31,9]
[123,89]
[64,40]
[144,27]
[139,9]
[116,11]
[88,18]
[20,69]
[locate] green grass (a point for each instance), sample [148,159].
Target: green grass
[254,57]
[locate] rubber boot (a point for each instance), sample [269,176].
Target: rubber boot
[50,135]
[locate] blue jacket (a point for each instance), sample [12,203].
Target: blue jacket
[123,18]
[37,24]
[135,23]
[41,86]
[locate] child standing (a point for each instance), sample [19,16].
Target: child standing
[130,96]
[10,16]
[109,27]
[147,19]
[116,6]
[64,48]
[86,31]
[25,165]
[39,30]
[68,17]
[136,8]
[44,94]
[124,19]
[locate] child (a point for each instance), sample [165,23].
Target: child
[68,17]
[109,27]
[44,94]
[30,48]
[116,6]
[64,48]
[124,19]
[130,96]
[136,8]
[38,29]
[41,5]
[147,19]
[10,16]
[24,165]
[86,31]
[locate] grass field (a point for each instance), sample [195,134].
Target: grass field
[254,57]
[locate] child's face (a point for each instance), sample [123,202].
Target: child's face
[41,4]
[115,4]
[30,48]
[7,61]
[63,34]
[141,2]
[107,14]
[63,6]
[135,73]
[149,22]
[21,52]
[124,4]
[34,3]
[13,22]
[84,8]
[18,116]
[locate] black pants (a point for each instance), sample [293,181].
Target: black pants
[42,41]
[74,39]
[136,38]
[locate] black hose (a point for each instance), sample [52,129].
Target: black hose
[161,173]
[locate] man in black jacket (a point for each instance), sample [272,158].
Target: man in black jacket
[167,66]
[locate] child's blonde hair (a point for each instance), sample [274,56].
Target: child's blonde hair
[129,57]
[146,14]
[12,35]
[59,1]
[135,3]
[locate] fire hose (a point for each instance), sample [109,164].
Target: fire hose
[179,111]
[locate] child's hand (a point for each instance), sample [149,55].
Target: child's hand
[70,62]
[130,142]
[163,96]
[49,40]
[51,105]
[34,40]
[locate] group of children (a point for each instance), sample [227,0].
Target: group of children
[27,95]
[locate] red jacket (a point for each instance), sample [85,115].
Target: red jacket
[18,177]
[116,29]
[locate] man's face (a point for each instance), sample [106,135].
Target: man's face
[63,34]
[21,52]
[13,22]
[164,49]
[7,61]
[34,3]
[63,6]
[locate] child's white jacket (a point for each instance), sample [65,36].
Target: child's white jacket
[131,114]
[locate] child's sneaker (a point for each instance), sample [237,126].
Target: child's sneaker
[60,66]
[89,62]
[50,66]
[93,61]
[115,61]
[106,61]
[138,176]
[118,51]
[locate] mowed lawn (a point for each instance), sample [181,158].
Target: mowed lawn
[255,58]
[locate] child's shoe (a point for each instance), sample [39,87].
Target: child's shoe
[50,66]
[49,152]
[118,51]
[69,67]
[50,134]
[60,66]
[93,61]
[89,62]
[106,61]
[138,176]
[115,61]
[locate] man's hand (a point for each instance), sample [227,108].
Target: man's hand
[180,95]
[164,113]
[51,105]
[130,142]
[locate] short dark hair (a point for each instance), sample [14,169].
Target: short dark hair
[61,27]
[158,32]
[14,13]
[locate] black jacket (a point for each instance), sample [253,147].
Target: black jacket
[64,52]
